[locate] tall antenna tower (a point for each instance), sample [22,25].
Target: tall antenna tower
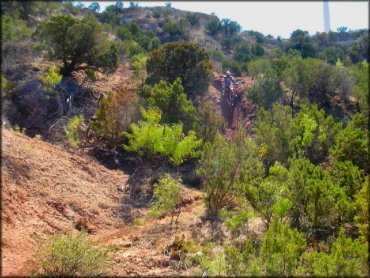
[326,17]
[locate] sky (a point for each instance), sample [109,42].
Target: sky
[275,18]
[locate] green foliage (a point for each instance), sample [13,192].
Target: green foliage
[14,29]
[347,257]
[68,255]
[52,78]
[318,202]
[175,30]
[266,91]
[124,33]
[243,54]
[167,197]
[273,134]
[79,41]
[138,64]
[362,207]
[359,50]
[211,121]
[301,41]
[268,197]
[316,80]
[281,249]
[241,263]
[352,143]
[314,133]
[180,59]
[224,166]
[115,114]
[72,131]
[213,27]
[360,72]
[172,101]
[193,19]
[230,27]
[332,54]
[150,138]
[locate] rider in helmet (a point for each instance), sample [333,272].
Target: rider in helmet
[229,83]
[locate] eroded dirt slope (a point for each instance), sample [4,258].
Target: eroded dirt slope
[46,189]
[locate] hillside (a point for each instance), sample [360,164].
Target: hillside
[160,142]
[46,189]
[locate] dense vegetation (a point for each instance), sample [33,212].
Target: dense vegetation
[302,169]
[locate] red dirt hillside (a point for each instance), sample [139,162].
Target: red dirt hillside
[46,189]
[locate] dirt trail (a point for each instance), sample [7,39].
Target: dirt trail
[242,112]
[46,189]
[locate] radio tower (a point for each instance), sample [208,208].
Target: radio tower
[326,17]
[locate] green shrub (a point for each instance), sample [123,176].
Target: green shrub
[266,91]
[281,249]
[193,19]
[224,167]
[67,255]
[347,257]
[174,104]
[180,59]
[72,132]
[167,198]
[114,115]
[150,138]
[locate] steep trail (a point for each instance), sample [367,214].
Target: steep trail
[242,112]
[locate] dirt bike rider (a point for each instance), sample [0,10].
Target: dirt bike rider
[229,83]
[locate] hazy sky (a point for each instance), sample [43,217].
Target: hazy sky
[276,18]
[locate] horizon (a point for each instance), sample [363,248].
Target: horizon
[307,16]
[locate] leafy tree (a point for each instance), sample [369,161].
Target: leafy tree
[359,50]
[243,54]
[185,60]
[360,73]
[114,115]
[314,133]
[301,41]
[149,138]
[241,263]
[167,198]
[193,18]
[67,255]
[94,7]
[268,197]
[230,27]
[213,27]
[124,33]
[318,202]
[348,176]
[362,207]
[258,50]
[172,101]
[79,41]
[110,15]
[211,121]
[266,91]
[352,142]
[14,29]
[174,29]
[347,257]
[332,54]
[224,166]
[273,134]
[281,249]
